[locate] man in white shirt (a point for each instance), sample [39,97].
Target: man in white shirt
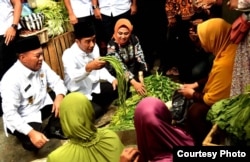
[9,19]
[26,102]
[79,10]
[85,73]
[107,12]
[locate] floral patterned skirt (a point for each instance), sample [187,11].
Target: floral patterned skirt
[241,70]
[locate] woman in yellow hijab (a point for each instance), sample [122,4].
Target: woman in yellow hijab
[86,142]
[214,37]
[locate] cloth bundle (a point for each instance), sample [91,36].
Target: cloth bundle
[240,27]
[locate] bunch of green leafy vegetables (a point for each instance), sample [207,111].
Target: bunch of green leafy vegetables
[56,16]
[157,85]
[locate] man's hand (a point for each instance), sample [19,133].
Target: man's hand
[73,19]
[37,138]
[114,84]
[130,155]
[97,14]
[96,64]
[56,104]
[9,35]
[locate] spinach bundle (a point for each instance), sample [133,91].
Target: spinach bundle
[158,86]
[233,116]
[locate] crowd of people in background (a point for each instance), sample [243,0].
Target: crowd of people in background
[188,39]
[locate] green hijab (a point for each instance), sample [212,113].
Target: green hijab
[86,143]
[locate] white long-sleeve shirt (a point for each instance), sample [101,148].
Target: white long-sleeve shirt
[81,8]
[75,76]
[24,93]
[6,16]
[116,7]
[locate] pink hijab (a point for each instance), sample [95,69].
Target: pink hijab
[156,137]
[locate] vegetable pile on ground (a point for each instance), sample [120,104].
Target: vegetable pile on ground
[233,116]
[156,85]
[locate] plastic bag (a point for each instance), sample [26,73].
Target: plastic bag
[180,105]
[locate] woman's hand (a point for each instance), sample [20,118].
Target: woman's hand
[191,86]
[187,92]
[139,87]
[130,154]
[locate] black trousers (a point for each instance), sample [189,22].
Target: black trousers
[7,59]
[102,101]
[53,123]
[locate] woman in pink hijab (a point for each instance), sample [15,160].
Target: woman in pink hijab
[156,136]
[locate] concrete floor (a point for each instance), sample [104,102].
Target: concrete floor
[12,151]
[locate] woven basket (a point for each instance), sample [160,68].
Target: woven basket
[215,137]
[42,35]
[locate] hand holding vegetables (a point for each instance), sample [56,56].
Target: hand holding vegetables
[114,84]
[95,65]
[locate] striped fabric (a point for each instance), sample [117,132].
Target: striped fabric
[33,21]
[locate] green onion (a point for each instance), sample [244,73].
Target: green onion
[121,78]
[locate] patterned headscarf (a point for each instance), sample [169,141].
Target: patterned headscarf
[122,22]
[214,35]
[86,142]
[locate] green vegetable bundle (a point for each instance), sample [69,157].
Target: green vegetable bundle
[121,78]
[55,16]
[233,116]
[157,86]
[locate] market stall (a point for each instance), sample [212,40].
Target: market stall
[48,20]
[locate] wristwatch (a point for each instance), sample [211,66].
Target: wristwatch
[95,7]
[14,26]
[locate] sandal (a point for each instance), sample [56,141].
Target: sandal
[175,71]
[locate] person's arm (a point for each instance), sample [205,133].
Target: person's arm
[170,12]
[133,7]
[12,30]
[96,9]
[72,18]
[243,4]
[70,67]
[139,55]
[17,5]
[57,85]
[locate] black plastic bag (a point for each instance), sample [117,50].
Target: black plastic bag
[180,105]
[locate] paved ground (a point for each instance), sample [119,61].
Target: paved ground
[12,151]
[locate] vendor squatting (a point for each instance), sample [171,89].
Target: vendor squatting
[213,155]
